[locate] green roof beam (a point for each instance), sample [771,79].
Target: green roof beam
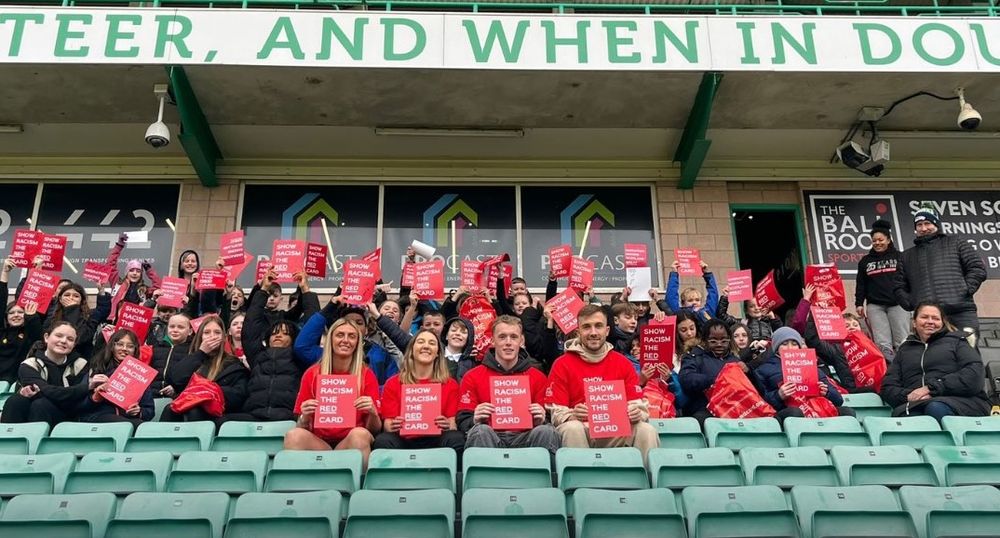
[196,134]
[693,147]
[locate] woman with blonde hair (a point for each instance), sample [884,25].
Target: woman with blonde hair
[423,363]
[343,354]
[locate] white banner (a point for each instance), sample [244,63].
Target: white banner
[487,41]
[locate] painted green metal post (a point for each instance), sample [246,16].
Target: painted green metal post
[196,134]
[693,147]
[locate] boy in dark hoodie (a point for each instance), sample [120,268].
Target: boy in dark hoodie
[623,331]
[458,338]
[506,358]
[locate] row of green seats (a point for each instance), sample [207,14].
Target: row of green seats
[747,511]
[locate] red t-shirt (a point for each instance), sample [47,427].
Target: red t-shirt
[570,371]
[307,391]
[393,389]
[476,386]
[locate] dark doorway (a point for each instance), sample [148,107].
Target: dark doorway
[769,237]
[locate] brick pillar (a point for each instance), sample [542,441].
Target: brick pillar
[204,215]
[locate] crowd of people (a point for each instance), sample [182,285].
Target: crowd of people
[231,355]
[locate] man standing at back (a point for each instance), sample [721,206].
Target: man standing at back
[507,358]
[591,358]
[941,269]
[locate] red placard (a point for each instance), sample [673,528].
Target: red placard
[581,276]
[799,366]
[231,248]
[480,311]
[316,260]
[493,274]
[96,272]
[38,288]
[130,380]
[136,319]
[511,399]
[565,307]
[406,280]
[376,257]
[263,266]
[829,285]
[830,324]
[689,261]
[420,406]
[174,289]
[656,343]
[236,270]
[607,409]
[52,252]
[358,285]
[766,293]
[472,275]
[211,279]
[27,245]
[196,323]
[287,258]
[560,260]
[428,280]
[740,284]
[336,395]
[635,255]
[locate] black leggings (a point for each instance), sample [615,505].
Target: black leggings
[19,409]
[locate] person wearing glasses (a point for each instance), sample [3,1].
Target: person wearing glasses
[122,344]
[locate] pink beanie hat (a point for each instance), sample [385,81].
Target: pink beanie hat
[133,264]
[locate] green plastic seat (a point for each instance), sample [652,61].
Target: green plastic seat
[684,432]
[602,468]
[825,433]
[890,466]
[314,470]
[159,404]
[738,512]
[57,516]
[850,511]
[971,431]
[22,438]
[965,465]
[429,468]
[414,514]
[170,515]
[916,431]
[174,437]
[42,474]
[643,513]
[120,473]
[252,436]
[501,513]
[4,387]
[229,472]
[953,512]
[736,434]
[787,467]
[81,437]
[677,468]
[315,514]
[863,400]
[506,468]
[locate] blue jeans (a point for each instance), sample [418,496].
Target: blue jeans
[938,410]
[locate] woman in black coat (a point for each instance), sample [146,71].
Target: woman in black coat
[122,344]
[936,372]
[19,328]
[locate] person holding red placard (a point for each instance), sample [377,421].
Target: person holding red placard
[506,358]
[122,344]
[590,357]
[833,354]
[71,306]
[701,366]
[936,371]
[138,290]
[217,367]
[781,395]
[691,299]
[188,265]
[19,329]
[423,362]
[53,381]
[343,353]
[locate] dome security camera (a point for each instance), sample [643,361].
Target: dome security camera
[968,117]
[158,134]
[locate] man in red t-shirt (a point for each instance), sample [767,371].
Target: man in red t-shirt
[591,358]
[476,405]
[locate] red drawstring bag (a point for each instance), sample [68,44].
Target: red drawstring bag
[203,393]
[145,354]
[865,360]
[734,396]
[817,407]
[661,399]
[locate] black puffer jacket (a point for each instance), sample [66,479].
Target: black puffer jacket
[950,368]
[941,269]
[275,375]
[876,279]
[166,356]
